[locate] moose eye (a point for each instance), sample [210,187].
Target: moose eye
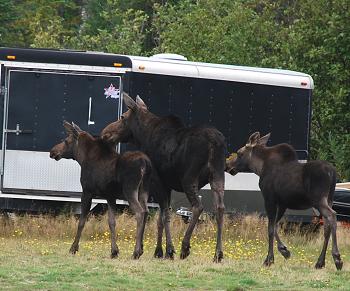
[122,117]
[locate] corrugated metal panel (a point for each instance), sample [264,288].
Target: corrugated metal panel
[36,171]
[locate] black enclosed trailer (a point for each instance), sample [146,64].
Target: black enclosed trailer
[41,88]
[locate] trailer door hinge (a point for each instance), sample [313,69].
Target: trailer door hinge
[3,91]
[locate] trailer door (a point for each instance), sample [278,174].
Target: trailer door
[37,103]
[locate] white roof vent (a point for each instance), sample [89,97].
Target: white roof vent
[170,57]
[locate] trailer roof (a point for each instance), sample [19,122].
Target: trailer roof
[266,76]
[162,64]
[70,57]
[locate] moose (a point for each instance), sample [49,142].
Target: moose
[184,159]
[286,183]
[109,175]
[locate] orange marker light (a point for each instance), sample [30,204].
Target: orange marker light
[117,64]
[11,57]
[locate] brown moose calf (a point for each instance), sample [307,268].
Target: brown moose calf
[109,175]
[287,184]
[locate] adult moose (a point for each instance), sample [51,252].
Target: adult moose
[107,174]
[286,183]
[185,159]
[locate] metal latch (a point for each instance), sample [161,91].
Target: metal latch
[17,131]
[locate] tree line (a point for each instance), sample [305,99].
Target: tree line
[303,35]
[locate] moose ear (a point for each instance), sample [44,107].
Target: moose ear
[263,140]
[129,102]
[140,103]
[76,127]
[70,129]
[253,139]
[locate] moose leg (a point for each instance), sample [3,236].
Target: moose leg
[280,245]
[170,250]
[85,208]
[137,209]
[164,223]
[271,210]
[143,198]
[111,223]
[321,262]
[158,253]
[197,208]
[330,228]
[217,185]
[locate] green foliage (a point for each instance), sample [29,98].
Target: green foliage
[302,35]
[8,17]
[121,31]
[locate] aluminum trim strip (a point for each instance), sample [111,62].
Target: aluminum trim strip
[63,67]
[65,199]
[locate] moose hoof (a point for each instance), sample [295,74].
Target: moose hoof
[219,255]
[158,253]
[320,264]
[338,262]
[185,251]
[73,250]
[268,261]
[284,252]
[114,254]
[170,253]
[137,254]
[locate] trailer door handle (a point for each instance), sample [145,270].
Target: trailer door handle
[18,131]
[90,122]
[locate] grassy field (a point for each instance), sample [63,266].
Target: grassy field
[34,255]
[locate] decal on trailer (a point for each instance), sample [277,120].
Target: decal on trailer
[112,92]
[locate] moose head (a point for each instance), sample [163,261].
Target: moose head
[248,157]
[122,129]
[66,149]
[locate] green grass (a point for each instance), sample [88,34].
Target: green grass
[34,255]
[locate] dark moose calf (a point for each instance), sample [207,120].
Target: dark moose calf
[286,183]
[107,174]
[184,158]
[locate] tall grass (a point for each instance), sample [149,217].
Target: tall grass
[243,227]
[246,227]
